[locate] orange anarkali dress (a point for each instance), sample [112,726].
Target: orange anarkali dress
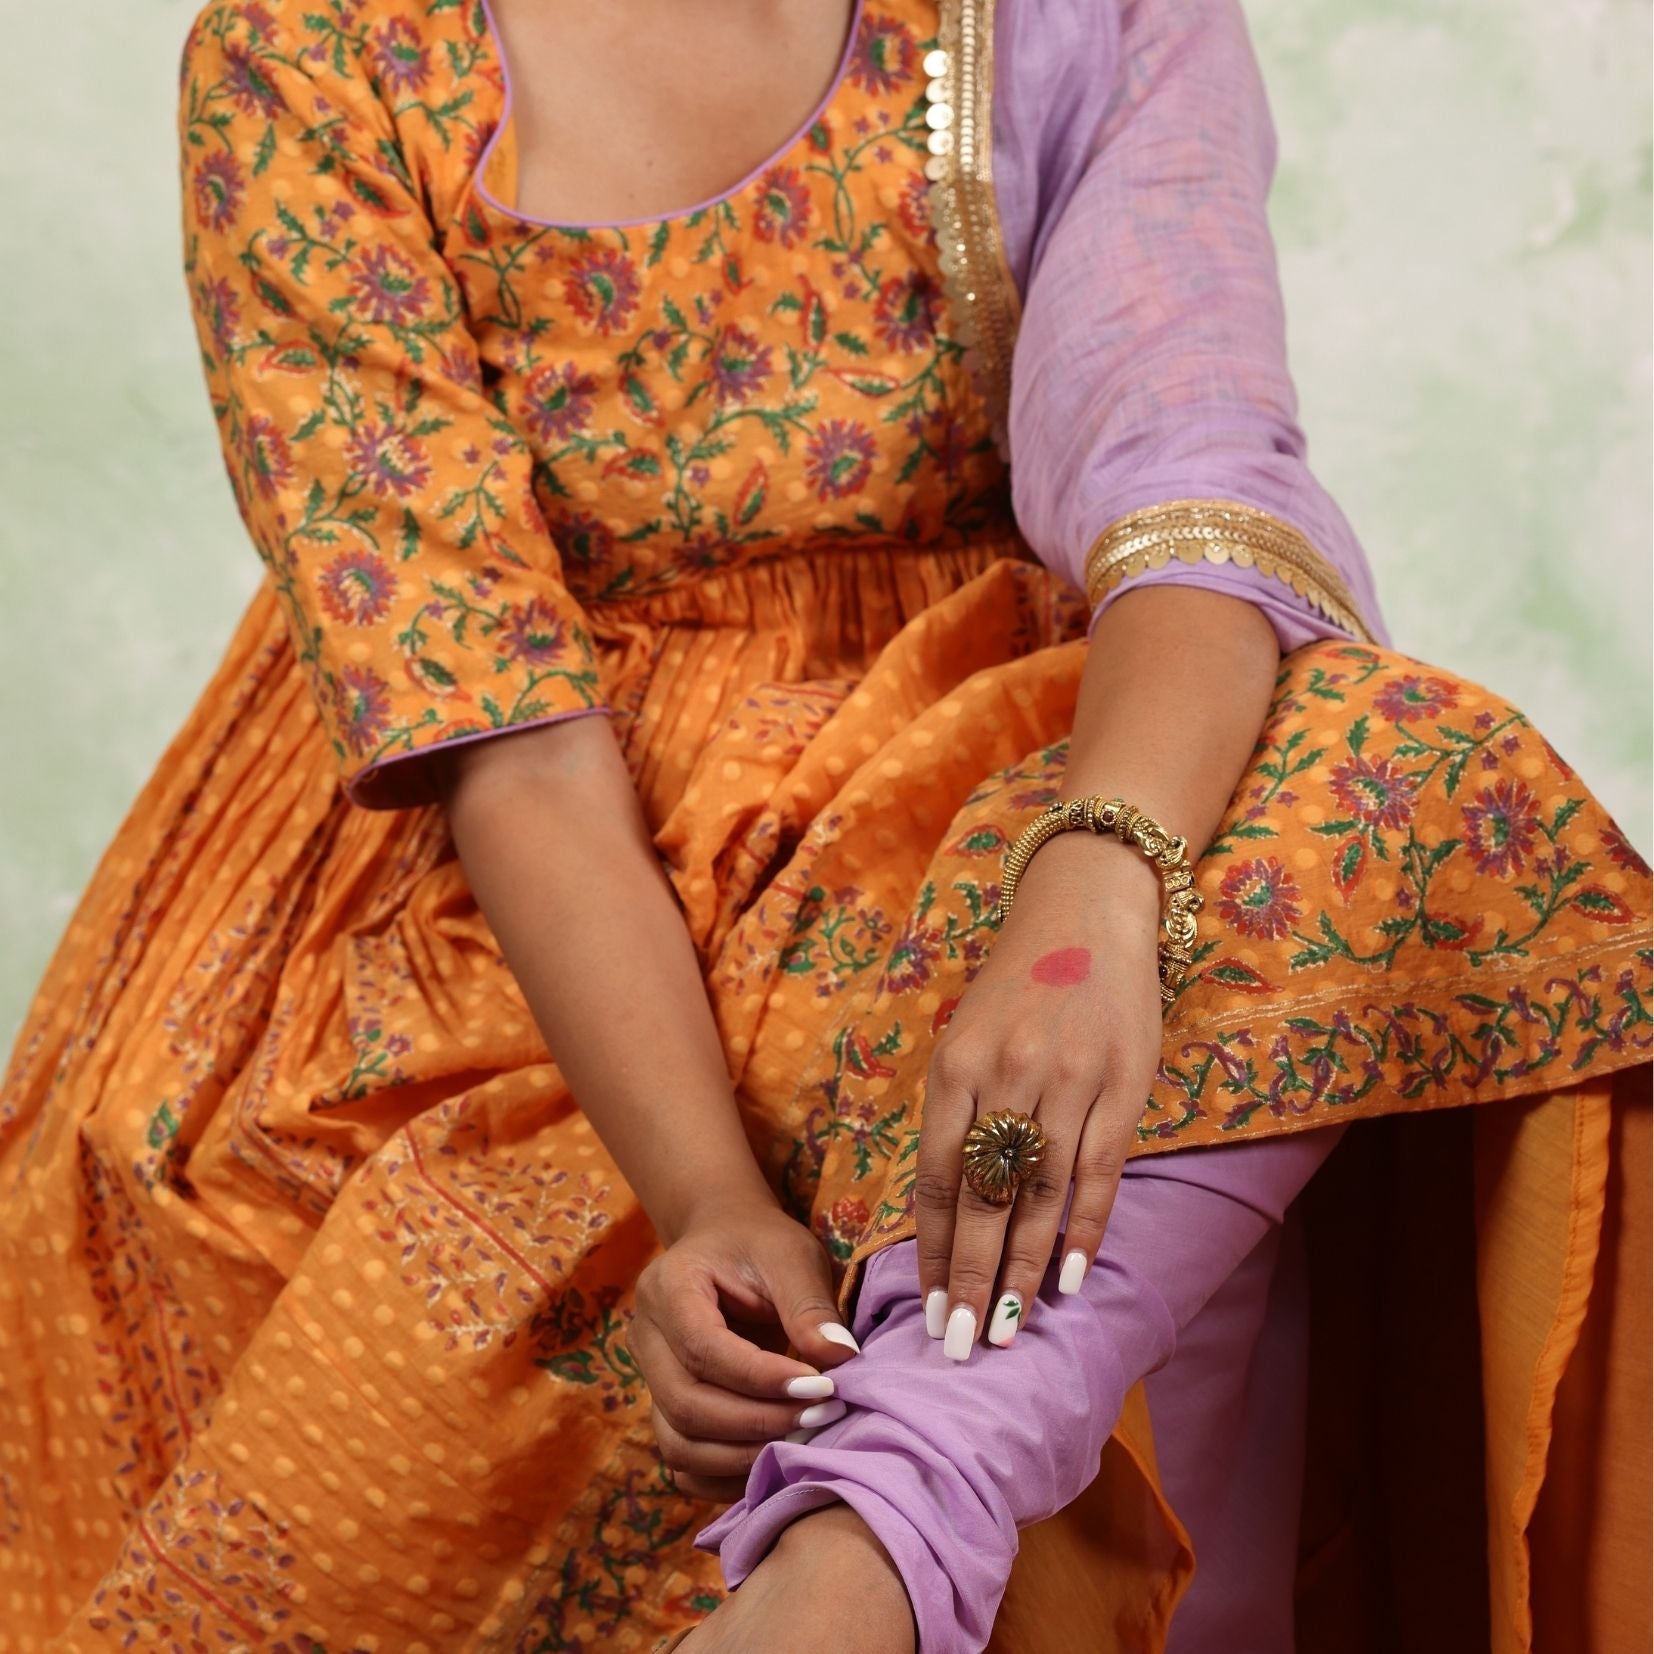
[314,1281]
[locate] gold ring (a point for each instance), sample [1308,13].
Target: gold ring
[1000,1150]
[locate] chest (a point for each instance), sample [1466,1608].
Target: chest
[771,370]
[641,108]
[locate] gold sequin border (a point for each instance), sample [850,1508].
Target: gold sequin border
[1221,531]
[985,305]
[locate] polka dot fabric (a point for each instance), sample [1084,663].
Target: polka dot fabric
[314,1282]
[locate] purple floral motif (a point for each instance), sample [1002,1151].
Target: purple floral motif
[557,401]
[219,187]
[461,367]
[1410,699]
[912,958]
[250,87]
[399,60]
[534,633]
[269,459]
[217,301]
[883,56]
[838,459]
[739,365]
[389,288]
[1259,898]
[361,707]
[602,289]
[904,314]
[583,538]
[393,462]
[783,212]
[357,588]
[1500,827]
[1373,790]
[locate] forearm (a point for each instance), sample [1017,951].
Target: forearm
[1174,692]
[552,837]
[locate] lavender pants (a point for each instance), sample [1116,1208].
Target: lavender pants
[946,1460]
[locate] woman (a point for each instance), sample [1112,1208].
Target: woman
[655,667]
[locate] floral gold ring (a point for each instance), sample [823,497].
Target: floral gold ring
[1000,1150]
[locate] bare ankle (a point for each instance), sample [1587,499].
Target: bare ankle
[834,1543]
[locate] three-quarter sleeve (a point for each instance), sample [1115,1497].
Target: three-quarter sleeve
[390,500]
[1153,421]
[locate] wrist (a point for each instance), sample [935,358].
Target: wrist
[1093,870]
[713,1194]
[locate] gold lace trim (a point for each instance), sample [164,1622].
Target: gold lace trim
[984,300]
[1220,531]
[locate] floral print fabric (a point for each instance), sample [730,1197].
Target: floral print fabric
[1413,902]
[452,430]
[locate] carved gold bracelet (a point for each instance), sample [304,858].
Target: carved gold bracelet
[1169,855]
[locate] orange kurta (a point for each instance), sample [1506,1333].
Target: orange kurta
[314,1281]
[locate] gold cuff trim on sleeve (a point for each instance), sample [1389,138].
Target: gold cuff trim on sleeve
[1221,531]
[983,299]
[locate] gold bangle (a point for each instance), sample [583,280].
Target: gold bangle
[1169,855]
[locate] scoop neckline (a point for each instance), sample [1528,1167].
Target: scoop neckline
[496,42]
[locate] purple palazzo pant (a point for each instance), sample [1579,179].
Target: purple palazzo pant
[1196,1290]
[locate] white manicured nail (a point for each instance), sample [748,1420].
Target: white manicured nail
[961,1334]
[824,1412]
[836,1334]
[1006,1318]
[1072,1273]
[814,1388]
[936,1311]
[799,1435]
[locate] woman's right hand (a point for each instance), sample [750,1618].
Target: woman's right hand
[737,1285]
[598,944]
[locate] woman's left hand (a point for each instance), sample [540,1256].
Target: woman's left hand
[1063,1023]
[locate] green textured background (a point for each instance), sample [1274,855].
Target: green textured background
[1463,214]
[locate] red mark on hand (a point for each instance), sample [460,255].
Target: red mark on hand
[1062,967]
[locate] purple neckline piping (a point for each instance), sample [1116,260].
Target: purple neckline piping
[479,177]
